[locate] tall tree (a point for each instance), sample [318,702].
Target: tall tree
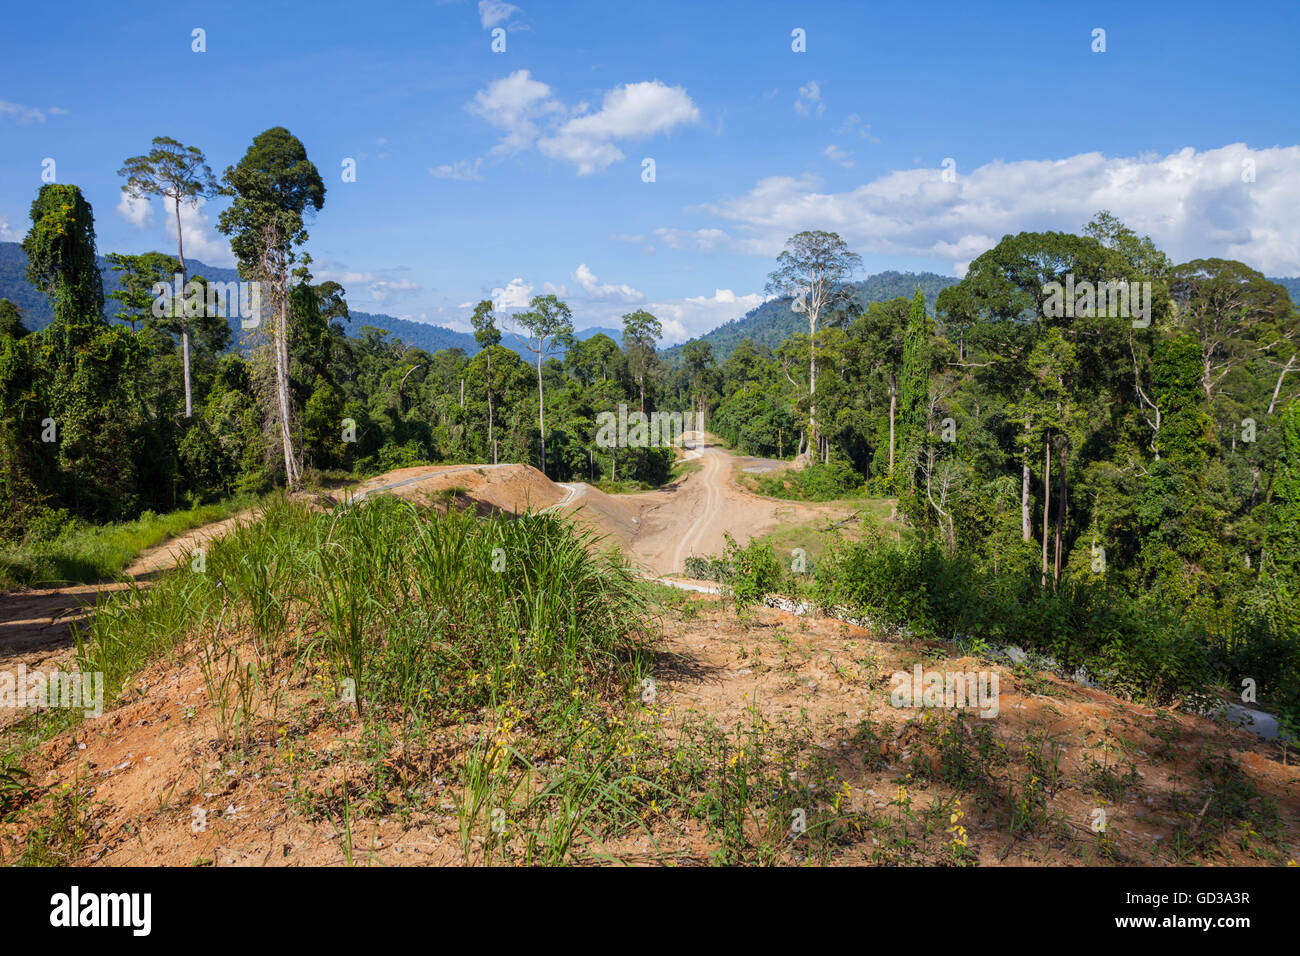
[641,332]
[916,379]
[178,173]
[882,329]
[814,270]
[60,249]
[1234,313]
[1141,253]
[548,322]
[1282,533]
[487,335]
[273,186]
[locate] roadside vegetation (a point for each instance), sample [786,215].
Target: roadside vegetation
[59,548]
[502,681]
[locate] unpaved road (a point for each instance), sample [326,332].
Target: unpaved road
[693,515]
[657,530]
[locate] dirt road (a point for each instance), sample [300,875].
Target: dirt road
[693,515]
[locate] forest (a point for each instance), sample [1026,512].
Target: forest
[1119,491]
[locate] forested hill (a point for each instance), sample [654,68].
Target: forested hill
[773,322]
[36,311]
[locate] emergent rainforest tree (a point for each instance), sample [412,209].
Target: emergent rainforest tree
[273,186]
[814,270]
[179,173]
[548,322]
[487,335]
[641,331]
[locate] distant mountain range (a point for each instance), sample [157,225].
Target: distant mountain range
[37,313]
[773,322]
[769,324]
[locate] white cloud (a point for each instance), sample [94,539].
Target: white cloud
[514,295]
[596,290]
[810,102]
[514,104]
[138,212]
[685,318]
[344,277]
[631,111]
[28,114]
[519,106]
[492,12]
[700,240]
[1194,204]
[385,290]
[368,289]
[837,155]
[463,169]
[201,240]
[7,234]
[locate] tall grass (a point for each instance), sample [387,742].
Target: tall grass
[422,608]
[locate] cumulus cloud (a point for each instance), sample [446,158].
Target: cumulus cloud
[202,241]
[515,104]
[520,106]
[514,295]
[631,111]
[1193,203]
[7,233]
[694,315]
[138,212]
[599,291]
[809,102]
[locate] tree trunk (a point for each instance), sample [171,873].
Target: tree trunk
[1060,518]
[1026,520]
[541,410]
[282,383]
[1047,501]
[185,325]
[492,443]
[1278,387]
[812,384]
[893,408]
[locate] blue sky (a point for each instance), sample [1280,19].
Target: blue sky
[514,173]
